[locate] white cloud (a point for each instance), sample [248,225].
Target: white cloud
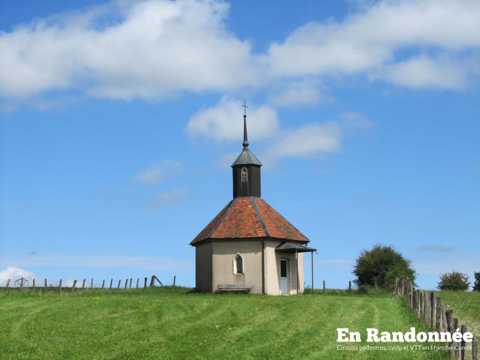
[371,38]
[307,140]
[351,120]
[127,49]
[160,172]
[169,197]
[154,49]
[298,93]
[423,72]
[13,274]
[224,121]
[316,138]
[227,159]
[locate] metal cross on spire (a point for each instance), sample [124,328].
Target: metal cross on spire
[245,135]
[245,107]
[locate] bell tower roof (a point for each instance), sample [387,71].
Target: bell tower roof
[246,157]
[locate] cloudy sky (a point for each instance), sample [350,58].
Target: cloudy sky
[119,120]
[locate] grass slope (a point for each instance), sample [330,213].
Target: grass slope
[466,306]
[173,324]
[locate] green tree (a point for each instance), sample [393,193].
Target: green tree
[380,266]
[454,281]
[476,285]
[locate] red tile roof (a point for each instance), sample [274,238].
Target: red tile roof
[249,217]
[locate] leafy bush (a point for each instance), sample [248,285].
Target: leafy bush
[454,281]
[362,289]
[476,285]
[380,267]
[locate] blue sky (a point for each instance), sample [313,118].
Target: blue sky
[118,121]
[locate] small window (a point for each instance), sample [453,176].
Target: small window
[283,268]
[244,175]
[238,264]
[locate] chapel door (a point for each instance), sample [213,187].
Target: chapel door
[284,272]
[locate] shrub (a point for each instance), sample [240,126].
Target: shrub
[454,281]
[380,267]
[362,289]
[476,285]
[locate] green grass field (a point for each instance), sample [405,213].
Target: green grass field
[466,306]
[175,324]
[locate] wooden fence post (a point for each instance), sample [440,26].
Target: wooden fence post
[323,285]
[412,290]
[349,285]
[463,345]
[74,284]
[438,313]
[138,282]
[433,302]
[8,283]
[174,280]
[60,285]
[425,307]
[410,295]
[103,284]
[126,283]
[420,304]
[33,283]
[456,347]
[111,283]
[45,283]
[474,348]
[145,283]
[415,301]
[423,304]
[444,317]
[130,283]
[119,284]
[83,283]
[449,318]
[428,308]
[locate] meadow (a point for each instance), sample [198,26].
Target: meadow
[173,323]
[466,306]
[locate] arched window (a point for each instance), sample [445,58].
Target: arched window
[244,175]
[238,264]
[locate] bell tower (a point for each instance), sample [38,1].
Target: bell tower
[246,168]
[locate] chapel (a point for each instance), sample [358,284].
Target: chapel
[249,246]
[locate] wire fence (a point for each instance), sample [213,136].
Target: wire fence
[84,284]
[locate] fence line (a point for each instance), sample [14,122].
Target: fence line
[23,283]
[430,309]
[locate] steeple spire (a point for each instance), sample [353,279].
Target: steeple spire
[245,134]
[246,168]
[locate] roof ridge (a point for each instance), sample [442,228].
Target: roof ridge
[259,216]
[222,220]
[286,220]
